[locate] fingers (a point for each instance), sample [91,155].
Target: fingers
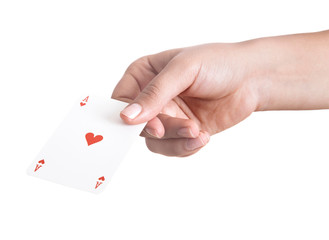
[140,73]
[180,147]
[172,136]
[164,126]
[154,128]
[174,79]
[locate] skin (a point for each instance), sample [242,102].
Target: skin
[188,94]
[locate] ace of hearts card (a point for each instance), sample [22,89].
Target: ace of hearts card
[87,147]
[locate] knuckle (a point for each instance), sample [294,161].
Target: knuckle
[177,148]
[135,66]
[177,151]
[187,62]
[151,91]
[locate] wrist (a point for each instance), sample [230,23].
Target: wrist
[291,72]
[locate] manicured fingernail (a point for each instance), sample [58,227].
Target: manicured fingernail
[132,110]
[185,132]
[200,141]
[152,132]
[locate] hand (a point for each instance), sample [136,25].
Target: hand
[198,91]
[188,94]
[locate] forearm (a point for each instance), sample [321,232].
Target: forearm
[294,72]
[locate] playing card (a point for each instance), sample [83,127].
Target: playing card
[87,147]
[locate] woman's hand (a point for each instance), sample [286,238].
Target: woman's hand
[188,94]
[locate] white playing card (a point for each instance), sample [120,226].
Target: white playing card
[87,147]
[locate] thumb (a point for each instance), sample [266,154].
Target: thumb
[174,79]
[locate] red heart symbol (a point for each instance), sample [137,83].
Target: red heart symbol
[42,161]
[101,178]
[91,138]
[82,104]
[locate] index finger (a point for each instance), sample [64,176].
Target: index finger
[140,73]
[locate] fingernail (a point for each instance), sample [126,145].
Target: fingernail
[185,132]
[132,110]
[200,141]
[152,132]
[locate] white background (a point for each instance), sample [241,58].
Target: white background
[266,178]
